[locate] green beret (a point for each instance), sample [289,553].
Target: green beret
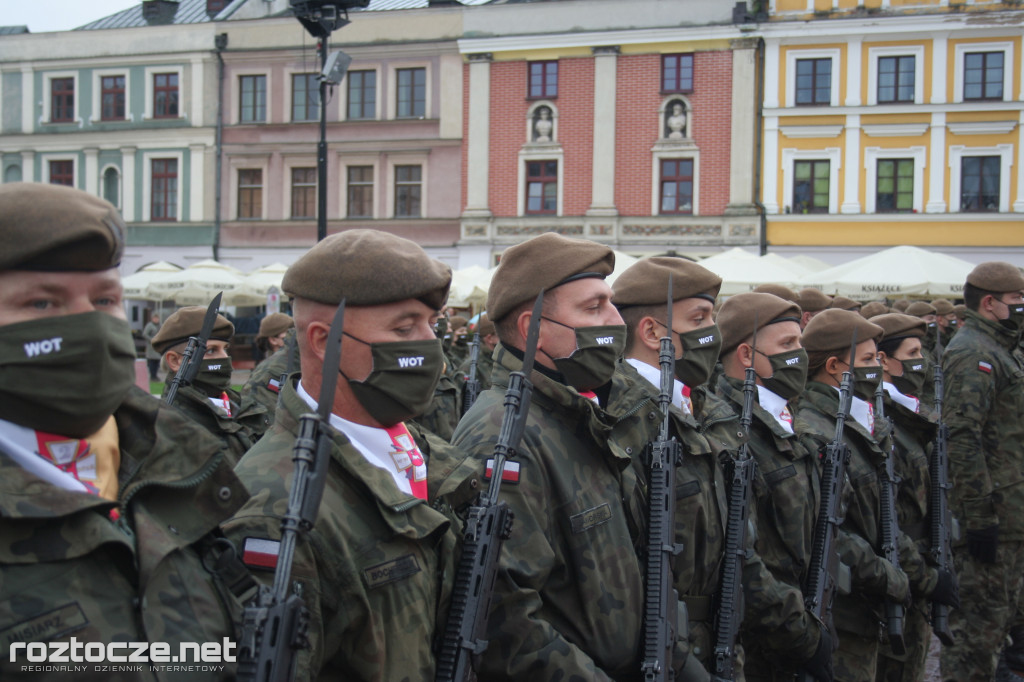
[275,323]
[901,305]
[843,303]
[942,306]
[739,313]
[456,321]
[368,267]
[544,262]
[898,325]
[778,290]
[961,310]
[997,277]
[812,300]
[186,322]
[920,309]
[645,282]
[832,330]
[873,309]
[484,326]
[54,228]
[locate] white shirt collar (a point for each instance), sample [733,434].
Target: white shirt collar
[776,406]
[653,377]
[907,401]
[862,412]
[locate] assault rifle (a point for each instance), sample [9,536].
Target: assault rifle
[471,389]
[195,351]
[488,525]
[890,531]
[941,517]
[275,624]
[660,596]
[823,573]
[290,349]
[730,603]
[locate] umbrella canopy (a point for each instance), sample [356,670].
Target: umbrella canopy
[469,287]
[742,271]
[809,263]
[199,283]
[135,284]
[895,272]
[261,279]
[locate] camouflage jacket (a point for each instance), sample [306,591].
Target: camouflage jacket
[484,367]
[67,570]
[568,598]
[264,384]
[238,432]
[859,543]
[445,409]
[376,569]
[983,407]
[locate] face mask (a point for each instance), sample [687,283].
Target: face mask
[65,375]
[214,376]
[593,362]
[953,323]
[701,348]
[402,382]
[865,381]
[913,377]
[789,373]
[1016,318]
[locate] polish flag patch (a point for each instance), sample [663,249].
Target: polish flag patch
[274,385]
[261,553]
[509,474]
[985,367]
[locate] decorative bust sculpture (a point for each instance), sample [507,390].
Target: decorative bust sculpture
[676,122]
[543,125]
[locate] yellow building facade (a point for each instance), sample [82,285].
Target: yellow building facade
[894,122]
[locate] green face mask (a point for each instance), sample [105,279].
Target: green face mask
[593,362]
[1016,319]
[402,382]
[701,348]
[65,375]
[214,376]
[913,377]
[865,381]
[789,373]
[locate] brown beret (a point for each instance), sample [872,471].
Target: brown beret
[920,309]
[873,309]
[544,262]
[844,303]
[901,305]
[942,306]
[898,325]
[186,322]
[832,330]
[275,323]
[961,310]
[456,321]
[368,267]
[996,276]
[645,282]
[813,300]
[55,228]
[778,290]
[484,326]
[739,313]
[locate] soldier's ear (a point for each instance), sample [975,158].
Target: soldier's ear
[649,332]
[316,338]
[745,355]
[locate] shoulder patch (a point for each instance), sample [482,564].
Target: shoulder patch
[985,367]
[261,553]
[391,571]
[509,474]
[274,385]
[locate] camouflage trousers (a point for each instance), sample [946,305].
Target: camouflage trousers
[917,634]
[988,607]
[856,659]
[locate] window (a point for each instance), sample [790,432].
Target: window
[813,81]
[677,186]
[983,76]
[362,94]
[305,97]
[895,186]
[165,95]
[303,192]
[250,193]
[677,73]
[360,191]
[810,186]
[541,187]
[254,99]
[62,173]
[164,190]
[408,191]
[112,98]
[979,183]
[896,79]
[112,186]
[412,93]
[543,79]
[62,100]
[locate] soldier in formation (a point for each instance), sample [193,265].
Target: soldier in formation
[277,332]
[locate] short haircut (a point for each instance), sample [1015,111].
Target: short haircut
[631,316]
[973,296]
[506,329]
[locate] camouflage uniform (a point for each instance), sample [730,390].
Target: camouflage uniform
[445,410]
[264,384]
[238,433]
[484,367]
[984,410]
[569,592]
[858,615]
[376,569]
[67,570]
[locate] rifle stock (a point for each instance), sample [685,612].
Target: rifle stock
[195,351]
[941,518]
[471,389]
[890,531]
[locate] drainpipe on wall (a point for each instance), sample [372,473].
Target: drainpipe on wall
[220,42]
[758,161]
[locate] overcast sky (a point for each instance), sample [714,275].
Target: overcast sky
[58,15]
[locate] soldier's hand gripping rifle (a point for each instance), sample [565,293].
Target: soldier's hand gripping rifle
[488,525]
[471,389]
[890,530]
[730,602]
[195,351]
[275,624]
[823,572]
[660,596]
[940,516]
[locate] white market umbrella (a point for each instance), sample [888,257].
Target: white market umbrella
[200,282]
[809,263]
[742,271]
[469,287]
[895,272]
[262,279]
[136,283]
